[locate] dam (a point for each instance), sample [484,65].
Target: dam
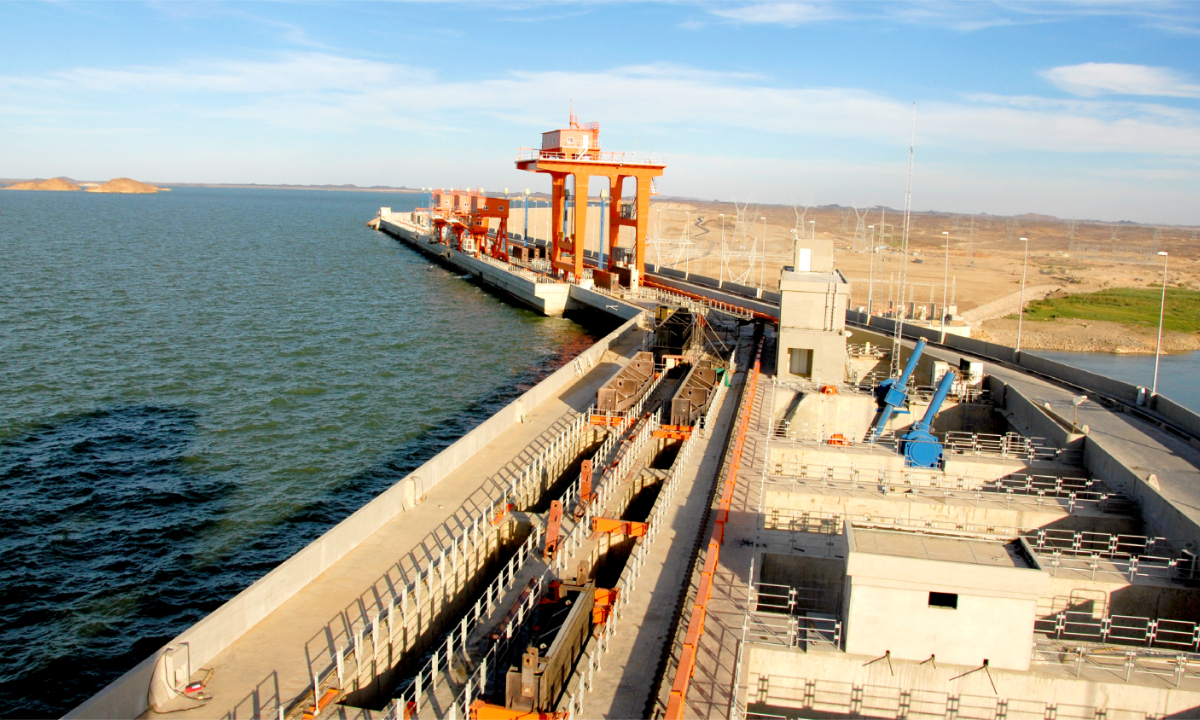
[736,504]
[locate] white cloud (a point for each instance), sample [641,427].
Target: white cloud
[1096,79]
[292,72]
[778,13]
[321,92]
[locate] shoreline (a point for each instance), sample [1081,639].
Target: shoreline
[1084,336]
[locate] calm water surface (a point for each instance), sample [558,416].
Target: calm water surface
[1176,373]
[196,385]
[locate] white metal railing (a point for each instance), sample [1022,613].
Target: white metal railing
[1118,629]
[1118,660]
[1126,556]
[414,601]
[667,297]
[1019,489]
[612,457]
[1010,445]
[596,156]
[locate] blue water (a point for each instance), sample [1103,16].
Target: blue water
[1176,373]
[196,385]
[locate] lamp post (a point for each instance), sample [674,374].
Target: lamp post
[762,271]
[525,229]
[722,248]
[871,282]
[813,224]
[1021,309]
[945,285]
[1161,308]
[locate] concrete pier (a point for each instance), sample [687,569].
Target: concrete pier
[423,582]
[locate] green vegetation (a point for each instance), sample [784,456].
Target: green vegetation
[1130,306]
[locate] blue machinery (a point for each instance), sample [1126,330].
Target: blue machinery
[920,447]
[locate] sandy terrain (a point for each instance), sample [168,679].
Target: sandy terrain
[1084,336]
[56,184]
[124,186]
[982,265]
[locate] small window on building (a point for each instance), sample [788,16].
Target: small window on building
[800,362]
[943,600]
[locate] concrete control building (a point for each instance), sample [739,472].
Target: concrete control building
[812,315]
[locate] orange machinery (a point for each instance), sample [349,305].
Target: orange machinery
[575,151]
[468,213]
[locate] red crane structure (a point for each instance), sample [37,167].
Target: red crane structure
[461,214]
[575,151]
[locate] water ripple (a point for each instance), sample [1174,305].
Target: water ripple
[199,383]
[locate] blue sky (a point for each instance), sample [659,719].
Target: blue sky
[1075,109]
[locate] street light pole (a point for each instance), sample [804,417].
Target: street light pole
[525,230]
[1161,308]
[1021,309]
[762,272]
[945,285]
[871,283]
[722,248]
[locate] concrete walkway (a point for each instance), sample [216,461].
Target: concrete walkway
[269,665]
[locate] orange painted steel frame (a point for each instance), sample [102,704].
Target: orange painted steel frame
[674,432]
[695,627]
[564,161]
[467,212]
[602,608]
[626,527]
[553,529]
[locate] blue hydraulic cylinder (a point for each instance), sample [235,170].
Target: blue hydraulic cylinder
[921,448]
[893,392]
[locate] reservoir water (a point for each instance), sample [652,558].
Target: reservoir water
[196,385]
[1176,373]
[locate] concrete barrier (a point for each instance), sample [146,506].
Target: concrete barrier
[1123,391]
[1035,421]
[1161,517]
[127,696]
[1177,414]
[587,297]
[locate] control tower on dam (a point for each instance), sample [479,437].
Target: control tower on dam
[736,504]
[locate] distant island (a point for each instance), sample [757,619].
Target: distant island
[124,186]
[55,184]
[63,184]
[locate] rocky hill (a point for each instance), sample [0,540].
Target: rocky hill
[58,184]
[124,185]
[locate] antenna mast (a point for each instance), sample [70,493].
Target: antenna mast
[904,250]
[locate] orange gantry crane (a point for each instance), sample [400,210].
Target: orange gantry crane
[457,215]
[575,151]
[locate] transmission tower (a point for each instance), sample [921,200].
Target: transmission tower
[860,243]
[1071,237]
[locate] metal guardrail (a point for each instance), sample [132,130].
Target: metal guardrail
[356,647]
[1120,630]
[1013,446]
[1021,489]
[1126,556]
[1119,660]
[597,156]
